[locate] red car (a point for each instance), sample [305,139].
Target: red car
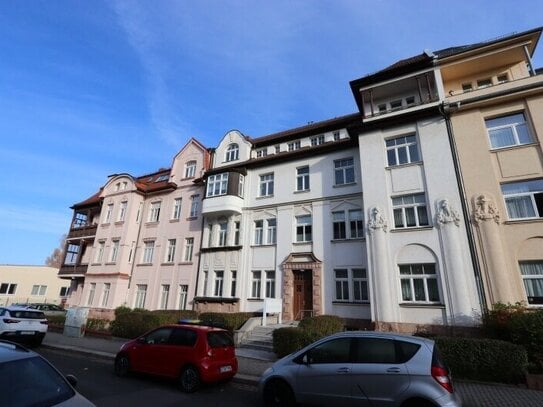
[192,354]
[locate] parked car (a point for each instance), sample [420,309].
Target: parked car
[28,379]
[361,368]
[48,309]
[192,354]
[22,323]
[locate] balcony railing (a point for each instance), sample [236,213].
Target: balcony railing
[83,231]
[71,270]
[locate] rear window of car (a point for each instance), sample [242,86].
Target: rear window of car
[219,339]
[27,314]
[406,350]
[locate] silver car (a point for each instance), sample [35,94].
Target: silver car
[364,369]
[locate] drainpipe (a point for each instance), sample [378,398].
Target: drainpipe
[135,252]
[444,110]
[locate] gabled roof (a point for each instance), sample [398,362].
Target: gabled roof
[155,181]
[91,201]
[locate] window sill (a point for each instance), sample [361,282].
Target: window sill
[264,245]
[104,225]
[255,299]
[110,263]
[411,229]
[220,249]
[411,164]
[522,221]
[168,263]
[185,263]
[96,264]
[354,239]
[191,218]
[151,224]
[302,243]
[351,302]
[347,184]
[144,264]
[302,191]
[512,147]
[422,305]
[264,196]
[173,220]
[119,223]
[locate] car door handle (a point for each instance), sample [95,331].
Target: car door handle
[393,370]
[343,370]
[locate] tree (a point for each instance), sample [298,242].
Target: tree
[57,257]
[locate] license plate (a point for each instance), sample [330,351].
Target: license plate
[225,369]
[27,332]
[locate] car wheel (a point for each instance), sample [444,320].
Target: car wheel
[189,381]
[37,341]
[122,366]
[278,393]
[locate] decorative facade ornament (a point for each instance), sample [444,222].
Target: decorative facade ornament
[485,209]
[446,214]
[377,221]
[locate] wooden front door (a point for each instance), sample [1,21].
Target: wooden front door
[303,294]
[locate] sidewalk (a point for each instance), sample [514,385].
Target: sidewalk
[253,363]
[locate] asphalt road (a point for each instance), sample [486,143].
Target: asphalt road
[98,383]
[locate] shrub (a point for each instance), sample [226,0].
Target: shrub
[322,325]
[230,321]
[122,310]
[56,319]
[133,324]
[484,359]
[288,340]
[96,324]
[174,316]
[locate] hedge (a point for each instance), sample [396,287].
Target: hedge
[230,321]
[133,324]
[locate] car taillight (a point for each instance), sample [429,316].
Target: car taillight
[441,376]
[11,321]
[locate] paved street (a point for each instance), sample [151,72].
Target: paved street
[98,383]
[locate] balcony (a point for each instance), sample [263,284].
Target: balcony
[72,270]
[82,231]
[224,204]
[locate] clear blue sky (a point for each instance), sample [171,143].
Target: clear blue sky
[91,88]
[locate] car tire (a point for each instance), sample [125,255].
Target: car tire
[189,380]
[122,366]
[278,393]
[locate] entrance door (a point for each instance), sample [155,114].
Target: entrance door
[303,294]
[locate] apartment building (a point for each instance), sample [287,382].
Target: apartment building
[136,241]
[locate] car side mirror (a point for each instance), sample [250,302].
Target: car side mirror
[71,379]
[141,340]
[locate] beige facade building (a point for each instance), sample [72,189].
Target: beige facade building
[27,284]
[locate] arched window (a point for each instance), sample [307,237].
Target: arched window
[232,152]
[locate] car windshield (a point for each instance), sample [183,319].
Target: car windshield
[32,382]
[27,314]
[219,339]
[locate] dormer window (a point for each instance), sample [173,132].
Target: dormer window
[396,105]
[484,83]
[316,141]
[502,78]
[190,169]
[262,153]
[410,101]
[232,152]
[467,87]
[382,108]
[294,145]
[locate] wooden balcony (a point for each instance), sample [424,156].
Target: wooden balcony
[72,270]
[83,231]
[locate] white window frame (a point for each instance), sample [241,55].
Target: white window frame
[317,140]
[148,251]
[122,211]
[294,145]
[356,224]
[233,281]
[339,225]
[232,152]
[183,296]
[532,278]
[344,173]
[223,233]
[164,296]
[237,233]
[259,232]
[218,283]
[304,229]
[38,290]
[100,252]
[256,284]
[352,283]
[523,199]
[189,248]
[105,294]
[108,214]
[115,244]
[92,292]
[217,185]
[429,273]
[141,294]
[271,231]
[170,251]
[270,284]
[190,169]
[177,204]
[266,184]
[154,211]
[194,206]
[517,122]
[302,178]
[402,150]
[413,205]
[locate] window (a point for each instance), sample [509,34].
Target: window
[80,220]
[162,178]
[336,135]
[218,283]
[402,150]
[105,296]
[138,213]
[8,288]
[410,100]
[114,251]
[410,211]
[236,233]
[170,251]
[183,293]
[205,284]
[190,169]
[189,245]
[38,290]
[141,292]
[302,178]
[122,211]
[351,285]
[333,351]
[532,276]
[270,284]
[148,249]
[266,185]
[259,231]
[176,208]
[316,141]
[256,283]
[222,233]
[382,351]
[382,107]
[484,83]
[210,235]
[232,152]
[92,291]
[271,233]
[72,252]
[64,291]
[164,295]
[356,224]
[109,211]
[217,184]
[195,202]
[419,283]
[524,200]
[99,252]
[506,131]
[277,149]
[295,145]
[344,171]
[467,87]
[396,105]
[233,278]
[502,78]
[154,212]
[338,219]
[241,184]
[262,153]
[303,228]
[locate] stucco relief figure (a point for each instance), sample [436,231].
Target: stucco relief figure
[446,214]
[485,209]
[377,221]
